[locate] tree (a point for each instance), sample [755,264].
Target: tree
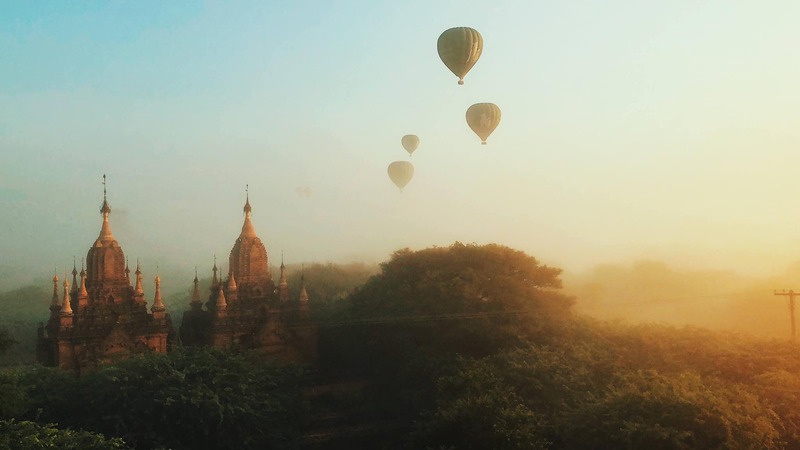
[644,409]
[406,326]
[6,341]
[187,399]
[24,435]
[462,299]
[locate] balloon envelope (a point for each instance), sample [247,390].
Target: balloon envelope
[400,172]
[483,118]
[410,142]
[459,49]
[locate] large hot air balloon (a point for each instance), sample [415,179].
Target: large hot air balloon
[400,173]
[483,119]
[410,143]
[459,49]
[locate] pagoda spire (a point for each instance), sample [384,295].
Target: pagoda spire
[105,210]
[139,289]
[233,293]
[283,284]
[196,290]
[214,280]
[83,295]
[158,302]
[231,281]
[127,271]
[303,307]
[55,303]
[303,293]
[247,228]
[74,277]
[221,304]
[66,308]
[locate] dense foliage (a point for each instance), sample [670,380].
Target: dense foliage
[462,347]
[25,435]
[192,399]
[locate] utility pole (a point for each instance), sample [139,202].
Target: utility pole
[791,294]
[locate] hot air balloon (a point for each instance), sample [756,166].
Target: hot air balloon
[400,172]
[459,49]
[410,143]
[483,119]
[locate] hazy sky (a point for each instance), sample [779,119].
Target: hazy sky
[665,130]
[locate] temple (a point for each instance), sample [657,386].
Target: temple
[246,310]
[103,317]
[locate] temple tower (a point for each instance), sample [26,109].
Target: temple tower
[104,318]
[248,311]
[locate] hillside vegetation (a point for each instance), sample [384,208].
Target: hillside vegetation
[460,347]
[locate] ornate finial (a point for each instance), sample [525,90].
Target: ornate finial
[282,266]
[195,273]
[105,209]
[247,207]
[74,270]
[127,269]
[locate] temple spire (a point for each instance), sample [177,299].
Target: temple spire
[283,284]
[247,228]
[55,301]
[303,293]
[231,281]
[66,308]
[74,276]
[105,210]
[303,309]
[282,280]
[127,271]
[196,289]
[247,208]
[82,291]
[139,289]
[214,280]
[158,302]
[221,304]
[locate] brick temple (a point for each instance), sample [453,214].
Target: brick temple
[246,310]
[103,317]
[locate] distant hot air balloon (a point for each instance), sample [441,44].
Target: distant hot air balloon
[483,118]
[410,143]
[459,49]
[400,172]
